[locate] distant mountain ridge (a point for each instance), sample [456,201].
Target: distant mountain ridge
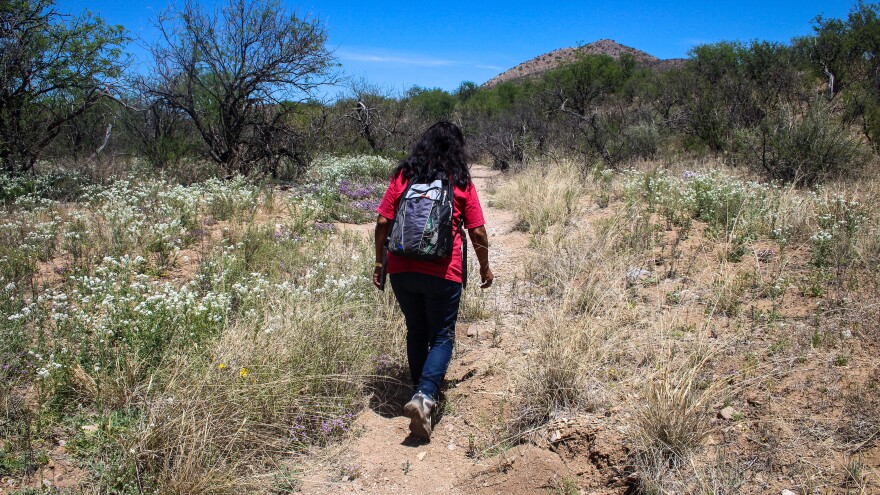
[555,58]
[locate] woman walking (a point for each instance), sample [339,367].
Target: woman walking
[428,290]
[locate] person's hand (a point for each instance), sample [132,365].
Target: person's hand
[486,277]
[377,273]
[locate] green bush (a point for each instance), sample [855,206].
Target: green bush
[802,149]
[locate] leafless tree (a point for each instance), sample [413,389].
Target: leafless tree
[377,115]
[241,74]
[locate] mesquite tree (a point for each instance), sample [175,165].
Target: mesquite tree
[241,74]
[53,68]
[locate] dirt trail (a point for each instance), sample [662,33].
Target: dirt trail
[383,459]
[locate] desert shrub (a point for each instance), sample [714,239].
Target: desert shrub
[802,149]
[643,140]
[732,208]
[330,170]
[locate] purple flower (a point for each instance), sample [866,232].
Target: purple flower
[383,362]
[368,205]
[361,193]
[355,191]
[325,227]
[344,187]
[688,174]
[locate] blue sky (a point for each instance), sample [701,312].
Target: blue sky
[439,44]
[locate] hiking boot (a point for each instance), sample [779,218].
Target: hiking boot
[418,410]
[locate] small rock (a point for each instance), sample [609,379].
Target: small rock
[62,443]
[555,436]
[421,455]
[635,275]
[47,483]
[450,445]
[846,333]
[472,331]
[788,492]
[764,255]
[727,413]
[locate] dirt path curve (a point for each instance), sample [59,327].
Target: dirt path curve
[383,459]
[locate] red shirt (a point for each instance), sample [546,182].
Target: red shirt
[466,203]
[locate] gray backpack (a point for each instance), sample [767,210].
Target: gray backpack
[423,228]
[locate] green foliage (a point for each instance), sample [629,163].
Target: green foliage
[735,86]
[52,69]
[840,46]
[498,99]
[432,104]
[839,51]
[466,90]
[801,149]
[586,81]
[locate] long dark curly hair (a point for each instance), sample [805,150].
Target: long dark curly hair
[441,148]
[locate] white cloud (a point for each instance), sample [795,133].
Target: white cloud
[418,60]
[412,59]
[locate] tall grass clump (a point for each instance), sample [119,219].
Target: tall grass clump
[565,370]
[669,425]
[542,196]
[673,418]
[283,382]
[582,270]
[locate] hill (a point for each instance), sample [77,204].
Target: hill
[555,58]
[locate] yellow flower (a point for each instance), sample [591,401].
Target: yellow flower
[221,366]
[243,372]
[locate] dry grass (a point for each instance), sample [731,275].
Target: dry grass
[673,419]
[752,296]
[573,343]
[565,369]
[557,190]
[272,387]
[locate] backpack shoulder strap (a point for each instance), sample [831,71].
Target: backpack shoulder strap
[463,234]
[464,264]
